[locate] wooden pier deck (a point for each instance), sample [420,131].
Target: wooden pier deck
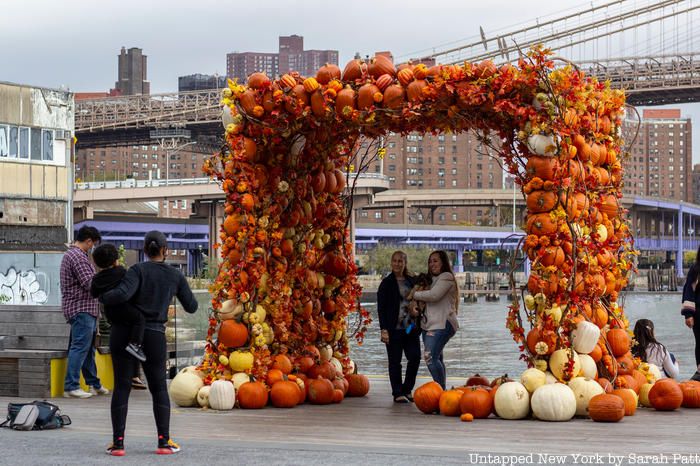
[369,430]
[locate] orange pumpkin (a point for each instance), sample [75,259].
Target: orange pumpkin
[691,394]
[258,80]
[542,167]
[320,391]
[477,402]
[305,363]
[325,370]
[345,102]
[365,96]
[338,395]
[666,395]
[606,408]
[541,224]
[625,365]
[596,354]
[297,99]
[541,201]
[252,395]
[233,334]
[318,104]
[427,397]
[609,205]
[380,65]
[605,383]
[327,73]
[414,90]
[466,417]
[354,70]
[394,96]
[405,76]
[639,378]
[553,255]
[629,399]
[537,282]
[449,403]
[619,341]
[384,81]
[358,384]
[284,394]
[534,336]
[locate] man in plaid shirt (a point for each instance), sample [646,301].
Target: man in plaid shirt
[81,311]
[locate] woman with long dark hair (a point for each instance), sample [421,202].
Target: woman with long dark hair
[397,333]
[691,293]
[648,349]
[149,286]
[439,322]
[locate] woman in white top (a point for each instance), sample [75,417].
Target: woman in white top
[651,351]
[439,321]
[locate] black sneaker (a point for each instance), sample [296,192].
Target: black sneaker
[136,351]
[409,397]
[696,376]
[116,448]
[167,447]
[400,399]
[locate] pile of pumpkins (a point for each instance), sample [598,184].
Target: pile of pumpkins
[542,396]
[318,383]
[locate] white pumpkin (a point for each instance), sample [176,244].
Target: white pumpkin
[239,378]
[532,379]
[338,366]
[226,117]
[602,233]
[512,401]
[588,366]
[655,372]
[553,402]
[326,353]
[644,395]
[185,386]
[222,395]
[549,378]
[203,396]
[585,337]
[230,310]
[351,367]
[558,361]
[542,144]
[584,389]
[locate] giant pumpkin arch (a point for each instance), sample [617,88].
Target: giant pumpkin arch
[287,271]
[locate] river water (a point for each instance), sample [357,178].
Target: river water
[483,344]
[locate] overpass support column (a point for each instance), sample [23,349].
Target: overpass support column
[216,219]
[526,268]
[459,260]
[679,243]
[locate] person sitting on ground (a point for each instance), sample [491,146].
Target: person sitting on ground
[649,350]
[106,258]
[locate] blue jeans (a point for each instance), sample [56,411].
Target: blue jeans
[81,353]
[434,342]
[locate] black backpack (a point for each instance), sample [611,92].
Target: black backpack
[48,417]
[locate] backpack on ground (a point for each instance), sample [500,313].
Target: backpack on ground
[37,415]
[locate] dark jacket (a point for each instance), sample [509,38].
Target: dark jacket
[105,280]
[150,287]
[389,301]
[690,295]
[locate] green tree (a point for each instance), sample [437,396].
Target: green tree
[378,260]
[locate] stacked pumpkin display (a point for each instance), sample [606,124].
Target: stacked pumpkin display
[542,396]
[287,280]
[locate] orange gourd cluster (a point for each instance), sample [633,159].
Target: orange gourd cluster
[285,249]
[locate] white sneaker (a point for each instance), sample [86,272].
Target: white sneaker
[99,391]
[77,393]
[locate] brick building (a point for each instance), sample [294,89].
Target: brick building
[132,72]
[660,163]
[436,162]
[290,56]
[198,82]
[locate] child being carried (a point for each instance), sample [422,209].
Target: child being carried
[415,309]
[106,258]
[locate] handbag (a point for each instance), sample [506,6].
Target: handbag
[48,416]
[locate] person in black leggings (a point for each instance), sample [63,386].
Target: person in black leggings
[150,286]
[691,302]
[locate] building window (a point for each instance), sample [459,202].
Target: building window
[392,168]
[454,217]
[441,160]
[454,183]
[363,214]
[392,214]
[378,215]
[441,217]
[441,183]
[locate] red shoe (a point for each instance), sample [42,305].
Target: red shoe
[167,447]
[116,448]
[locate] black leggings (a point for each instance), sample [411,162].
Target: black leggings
[124,369]
[696,332]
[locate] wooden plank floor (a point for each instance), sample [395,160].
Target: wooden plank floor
[375,424]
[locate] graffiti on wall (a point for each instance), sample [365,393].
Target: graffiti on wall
[22,287]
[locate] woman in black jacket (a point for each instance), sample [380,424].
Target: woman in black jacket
[150,287]
[691,302]
[396,330]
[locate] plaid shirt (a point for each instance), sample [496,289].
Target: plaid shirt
[76,276]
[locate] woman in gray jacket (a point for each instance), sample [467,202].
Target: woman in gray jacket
[439,321]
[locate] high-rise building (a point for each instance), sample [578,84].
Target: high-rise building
[660,163]
[438,162]
[198,82]
[132,77]
[696,184]
[291,56]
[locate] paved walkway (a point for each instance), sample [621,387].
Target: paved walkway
[370,430]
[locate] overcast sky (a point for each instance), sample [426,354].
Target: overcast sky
[75,43]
